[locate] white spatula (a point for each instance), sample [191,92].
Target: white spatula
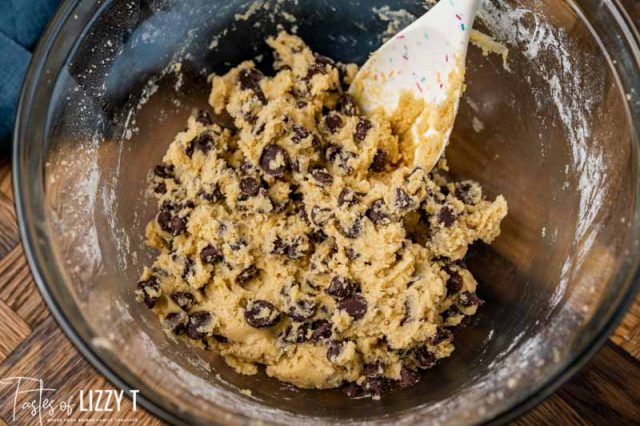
[426,59]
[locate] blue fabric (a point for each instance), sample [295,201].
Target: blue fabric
[21,22]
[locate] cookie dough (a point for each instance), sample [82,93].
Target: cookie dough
[292,234]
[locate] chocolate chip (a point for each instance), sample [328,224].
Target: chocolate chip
[302,310]
[295,334]
[160,188]
[164,220]
[403,200]
[347,196]
[317,236]
[323,60]
[322,177]
[321,330]
[164,170]
[148,291]
[177,225]
[454,283]
[468,193]
[183,299]
[343,72]
[190,148]
[408,378]
[316,143]
[446,216]
[176,322]
[320,216]
[291,249]
[355,306]
[212,196]
[159,271]
[247,274]
[204,142]
[198,324]
[299,133]
[351,253]
[333,350]
[274,160]
[211,255]
[376,214]
[341,287]
[246,166]
[335,154]
[362,128]
[203,117]
[315,69]
[249,186]
[352,389]
[220,338]
[379,161]
[280,246]
[376,385]
[261,314]
[188,268]
[353,230]
[372,369]
[451,312]
[295,194]
[332,152]
[348,106]
[237,245]
[442,335]
[319,67]
[425,359]
[468,299]
[249,79]
[168,223]
[333,122]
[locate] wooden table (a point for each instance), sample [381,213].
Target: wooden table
[605,392]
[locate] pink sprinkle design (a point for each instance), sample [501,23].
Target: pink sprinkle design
[405,55]
[419,87]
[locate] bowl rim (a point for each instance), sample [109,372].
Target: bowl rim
[26,224]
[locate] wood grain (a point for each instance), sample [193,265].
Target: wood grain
[605,392]
[627,335]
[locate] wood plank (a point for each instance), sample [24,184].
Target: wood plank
[14,331]
[553,411]
[605,392]
[48,355]
[627,335]
[6,187]
[9,234]
[18,290]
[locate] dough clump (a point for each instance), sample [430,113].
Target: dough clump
[292,234]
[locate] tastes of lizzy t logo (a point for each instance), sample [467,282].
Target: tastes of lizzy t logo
[39,403]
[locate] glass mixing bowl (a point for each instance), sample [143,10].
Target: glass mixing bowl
[556,133]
